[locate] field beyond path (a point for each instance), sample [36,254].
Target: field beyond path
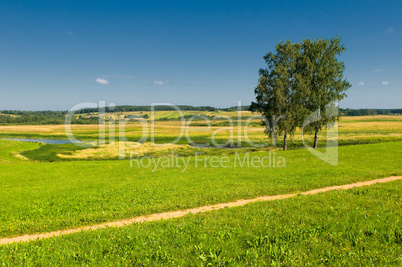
[180,213]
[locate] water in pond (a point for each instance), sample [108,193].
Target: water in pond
[46,141]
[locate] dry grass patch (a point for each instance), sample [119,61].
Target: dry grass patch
[135,149]
[19,156]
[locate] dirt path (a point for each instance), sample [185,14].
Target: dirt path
[180,213]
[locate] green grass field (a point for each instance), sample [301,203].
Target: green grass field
[357,227]
[42,192]
[39,196]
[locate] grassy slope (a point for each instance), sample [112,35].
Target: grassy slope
[70,152]
[357,227]
[40,197]
[8,149]
[48,152]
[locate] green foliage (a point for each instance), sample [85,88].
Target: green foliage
[127,108]
[369,112]
[56,118]
[322,76]
[302,79]
[48,113]
[277,91]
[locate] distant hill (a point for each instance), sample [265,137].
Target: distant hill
[57,117]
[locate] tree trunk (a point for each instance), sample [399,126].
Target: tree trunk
[316,138]
[274,137]
[284,141]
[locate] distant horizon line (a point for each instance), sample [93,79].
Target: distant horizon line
[182,105]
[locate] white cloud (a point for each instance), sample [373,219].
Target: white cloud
[361,83]
[159,82]
[390,30]
[378,70]
[385,83]
[101,81]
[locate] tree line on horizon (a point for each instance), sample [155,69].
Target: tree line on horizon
[57,117]
[127,108]
[123,108]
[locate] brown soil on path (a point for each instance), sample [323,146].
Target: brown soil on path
[180,213]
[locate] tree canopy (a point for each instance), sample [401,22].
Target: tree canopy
[276,90]
[301,79]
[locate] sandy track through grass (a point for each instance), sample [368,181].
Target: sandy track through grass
[180,213]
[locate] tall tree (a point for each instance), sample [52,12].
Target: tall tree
[322,75]
[301,79]
[277,90]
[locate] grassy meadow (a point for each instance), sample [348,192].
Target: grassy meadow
[46,196]
[352,130]
[48,187]
[357,227]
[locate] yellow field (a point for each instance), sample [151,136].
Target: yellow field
[129,150]
[363,128]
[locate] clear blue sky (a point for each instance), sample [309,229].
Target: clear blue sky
[55,54]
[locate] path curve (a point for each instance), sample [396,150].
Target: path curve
[180,213]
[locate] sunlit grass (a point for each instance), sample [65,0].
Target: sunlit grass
[356,227]
[59,187]
[45,196]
